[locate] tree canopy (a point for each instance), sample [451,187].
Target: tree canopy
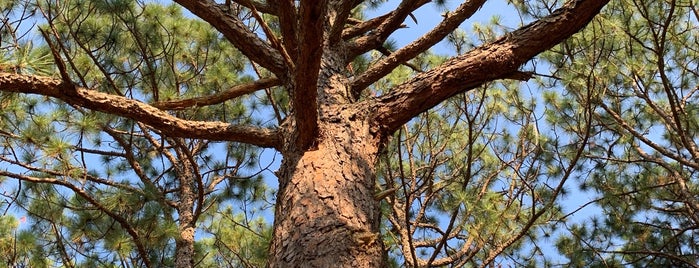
[150,134]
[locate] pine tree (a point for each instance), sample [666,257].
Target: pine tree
[154,95]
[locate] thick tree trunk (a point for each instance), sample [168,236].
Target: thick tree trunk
[326,215]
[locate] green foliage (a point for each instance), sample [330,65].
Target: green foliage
[107,191]
[239,241]
[636,66]
[474,173]
[28,60]
[17,54]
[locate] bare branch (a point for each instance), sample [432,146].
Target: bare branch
[489,62]
[363,27]
[223,96]
[388,26]
[267,7]
[273,39]
[136,166]
[645,140]
[288,26]
[238,34]
[341,10]
[56,56]
[139,111]
[387,64]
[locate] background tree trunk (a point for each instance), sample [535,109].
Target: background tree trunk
[187,221]
[326,215]
[184,244]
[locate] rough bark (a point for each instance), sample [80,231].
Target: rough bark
[326,215]
[184,244]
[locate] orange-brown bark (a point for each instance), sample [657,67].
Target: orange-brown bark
[326,215]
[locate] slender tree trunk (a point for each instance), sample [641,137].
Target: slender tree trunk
[184,244]
[326,215]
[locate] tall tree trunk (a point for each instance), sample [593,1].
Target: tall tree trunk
[326,215]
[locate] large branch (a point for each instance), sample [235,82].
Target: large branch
[238,34]
[139,111]
[496,60]
[387,64]
[305,77]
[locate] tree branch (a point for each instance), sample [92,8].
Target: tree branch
[340,11]
[389,25]
[363,27]
[273,39]
[238,34]
[139,111]
[266,7]
[220,97]
[288,26]
[305,77]
[387,64]
[496,60]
